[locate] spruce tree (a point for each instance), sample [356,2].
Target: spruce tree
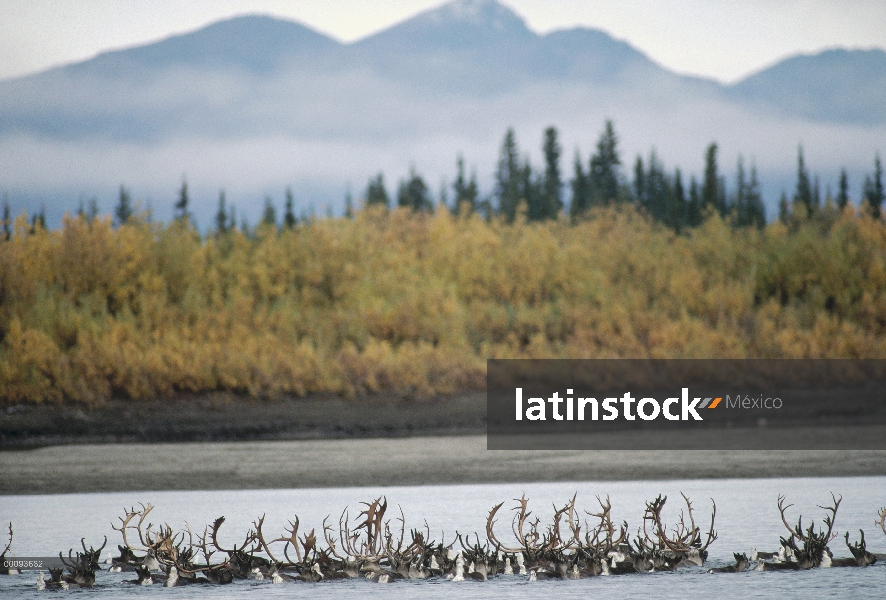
[658,190]
[694,212]
[639,182]
[581,190]
[755,209]
[465,191]
[508,177]
[739,203]
[873,189]
[123,211]
[413,193]
[652,189]
[221,217]
[816,195]
[803,193]
[269,216]
[553,184]
[713,189]
[181,206]
[7,219]
[532,193]
[289,219]
[376,194]
[38,221]
[784,210]
[92,212]
[843,190]
[677,205]
[604,164]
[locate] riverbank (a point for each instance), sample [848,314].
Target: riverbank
[418,460]
[226,417]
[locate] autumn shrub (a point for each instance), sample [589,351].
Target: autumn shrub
[414,303]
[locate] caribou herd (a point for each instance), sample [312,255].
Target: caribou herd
[574,544]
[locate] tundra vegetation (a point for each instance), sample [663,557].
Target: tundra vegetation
[414,302]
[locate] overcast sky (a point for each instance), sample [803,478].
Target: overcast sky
[723,39]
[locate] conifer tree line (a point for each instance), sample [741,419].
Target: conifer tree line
[600,180]
[597,181]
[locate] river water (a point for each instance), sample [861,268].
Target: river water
[747,515]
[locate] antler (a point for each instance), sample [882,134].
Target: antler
[182,558]
[881,522]
[292,540]
[375,512]
[694,538]
[165,548]
[574,525]
[490,534]
[9,545]
[528,540]
[389,538]
[124,525]
[91,552]
[372,548]
[330,542]
[555,541]
[202,539]
[810,536]
[146,535]
[216,525]
[261,538]
[76,563]
[685,537]
[798,533]
[605,526]
[829,520]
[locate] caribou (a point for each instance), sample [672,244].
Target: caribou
[82,567]
[376,545]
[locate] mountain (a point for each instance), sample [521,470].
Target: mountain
[846,86]
[254,104]
[256,44]
[482,46]
[213,81]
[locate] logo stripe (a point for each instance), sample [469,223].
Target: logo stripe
[715,403]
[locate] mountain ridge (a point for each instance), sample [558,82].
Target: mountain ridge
[259,44]
[265,100]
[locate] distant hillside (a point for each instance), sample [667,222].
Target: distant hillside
[847,86]
[214,81]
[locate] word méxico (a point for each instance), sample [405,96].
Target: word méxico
[647,409]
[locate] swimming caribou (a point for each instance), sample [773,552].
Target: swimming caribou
[377,546]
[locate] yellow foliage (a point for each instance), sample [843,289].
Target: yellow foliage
[414,304]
